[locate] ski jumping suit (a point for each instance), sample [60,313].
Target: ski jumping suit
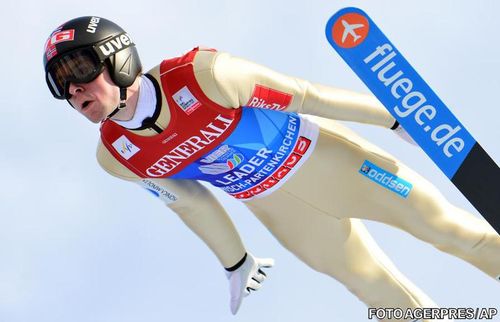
[235,124]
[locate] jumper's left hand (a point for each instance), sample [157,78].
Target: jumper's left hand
[401,132]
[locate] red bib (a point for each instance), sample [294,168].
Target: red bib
[197,125]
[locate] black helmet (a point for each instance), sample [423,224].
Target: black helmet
[78,50]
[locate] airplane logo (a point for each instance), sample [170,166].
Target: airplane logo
[350,30]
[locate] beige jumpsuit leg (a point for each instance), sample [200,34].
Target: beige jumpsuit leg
[312,216]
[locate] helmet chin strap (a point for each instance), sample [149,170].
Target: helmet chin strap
[122,105]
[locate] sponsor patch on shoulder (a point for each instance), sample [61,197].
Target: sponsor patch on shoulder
[126,148]
[386,179]
[186,100]
[268,98]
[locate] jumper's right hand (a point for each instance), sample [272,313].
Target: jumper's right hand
[245,278]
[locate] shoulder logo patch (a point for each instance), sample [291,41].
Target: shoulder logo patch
[186,100]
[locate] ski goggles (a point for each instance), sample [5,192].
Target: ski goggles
[79,66]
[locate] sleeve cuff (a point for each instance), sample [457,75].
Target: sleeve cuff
[238,265]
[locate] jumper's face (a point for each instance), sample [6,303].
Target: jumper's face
[96,99]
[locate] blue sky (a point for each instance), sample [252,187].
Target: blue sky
[78,245]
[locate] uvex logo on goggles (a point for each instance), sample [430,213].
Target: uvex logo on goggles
[111,46]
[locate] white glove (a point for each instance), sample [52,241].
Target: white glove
[247,277]
[403,134]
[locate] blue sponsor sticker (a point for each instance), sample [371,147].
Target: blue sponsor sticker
[386,179]
[158,191]
[400,88]
[156,194]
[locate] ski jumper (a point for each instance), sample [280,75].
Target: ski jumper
[208,125]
